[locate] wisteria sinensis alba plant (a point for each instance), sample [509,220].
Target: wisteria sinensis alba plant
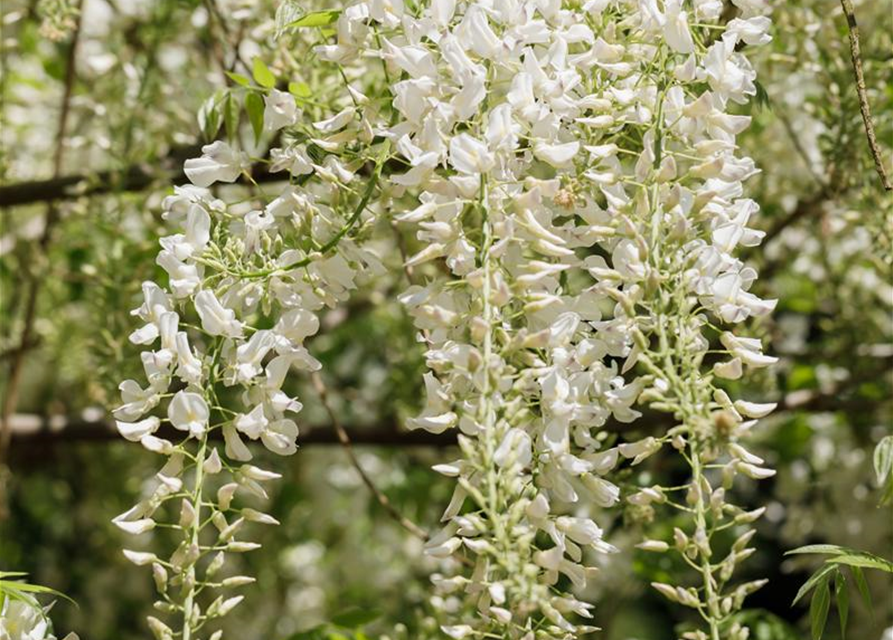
[572,170]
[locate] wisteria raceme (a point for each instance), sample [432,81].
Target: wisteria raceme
[515,363]
[629,132]
[238,264]
[574,168]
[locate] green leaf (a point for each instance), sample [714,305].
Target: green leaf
[209,119]
[863,559]
[254,105]
[231,117]
[20,588]
[262,74]
[316,633]
[862,586]
[819,577]
[843,602]
[286,13]
[299,89]
[316,19]
[353,618]
[27,599]
[238,78]
[832,549]
[883,459]
[818,610]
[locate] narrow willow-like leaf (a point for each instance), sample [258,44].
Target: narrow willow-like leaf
[9,587]
[843,601]
[831,549]
[818,610]
[815,579]
[862,586]
[865,560]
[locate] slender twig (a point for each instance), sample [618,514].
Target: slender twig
[216,15]
[14,379]
[806,207]
[800,149]
[344,439]
[864,107]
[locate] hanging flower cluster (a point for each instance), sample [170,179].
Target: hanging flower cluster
[574,168]
[246,277]
[494,106]
[674,276]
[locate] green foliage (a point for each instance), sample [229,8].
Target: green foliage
[883,468]
[262,74]
[104,247]
[239,79]
[300,89]
[831,572]
[210,116]
[254,106]
[316,19]
[347,625]
[14,587]
[765,625]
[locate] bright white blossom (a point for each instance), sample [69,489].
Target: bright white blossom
[575,170]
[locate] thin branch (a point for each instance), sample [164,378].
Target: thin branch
[42,433]
[799,148]
[14,379]
[864,107]
[133,178]
[344,439]
[804,209]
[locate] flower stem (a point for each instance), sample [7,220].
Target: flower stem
[189,603]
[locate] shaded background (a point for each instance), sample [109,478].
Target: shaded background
[80,215]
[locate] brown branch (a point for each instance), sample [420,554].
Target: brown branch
[17,364]
[134,178]
[31,431]
[344,439]
[35,432]
[864,107]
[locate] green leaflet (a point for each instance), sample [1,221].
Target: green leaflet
[316,19]
[262,74]
[818,609]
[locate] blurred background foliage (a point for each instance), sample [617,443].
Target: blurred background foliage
[139,74]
